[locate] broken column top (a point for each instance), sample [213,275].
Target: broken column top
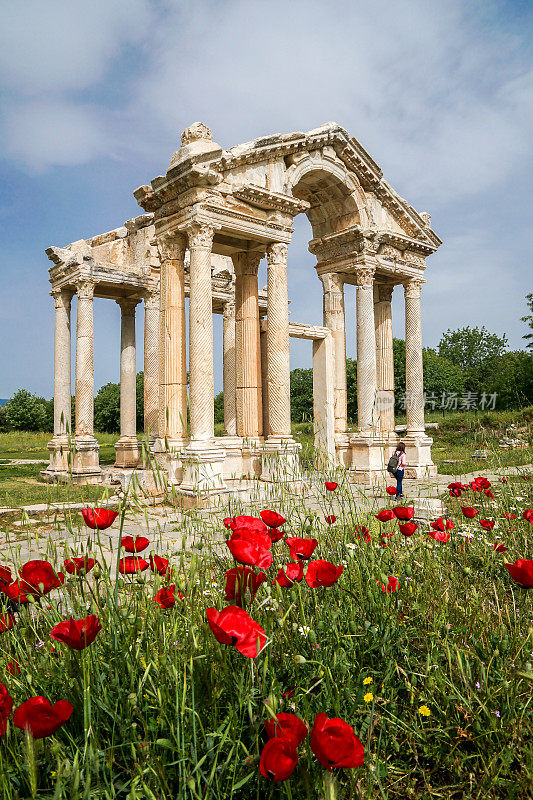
[197,143]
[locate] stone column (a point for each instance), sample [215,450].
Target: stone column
[59,445]
[366,350]
[333,312]
[278,344]
[247,346]
[414,379]
[172,345]
[127,448]
[229,368]
[85,461]
[264,381]
[384,357]
[151,365]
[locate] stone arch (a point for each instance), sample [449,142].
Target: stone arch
[337,199]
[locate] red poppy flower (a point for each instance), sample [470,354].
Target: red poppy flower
[322,573]
[522,572]
[293,573]
[405,513]
[361,529]
[13,667]
[136,545]
[441,524]
[79,633]
[335,744]
[487,524]
[253,535]
[272,519]
[288,693]
[301,548]
[489,494]
[15,592]
[130,565]
[391,490]
[6,622]
[160,565]
[439,536]
[244,521]
[500,548]
[6,705]
[331,519]
[408,528]
[166,596]
[248,551]
[278,759]
[75,565]
[528,515]
[5,576]
[100,518]
[41,718]
[235,627]
[276,534]
[240,580]
[509,515]
[469,512]
[39,577]
[385,515]
[286,726]
[391,586]
[228,522]
[331,486]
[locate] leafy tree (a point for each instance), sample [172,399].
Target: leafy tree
[529,320]
[476,352]
[107,406]
[25,412]
[351,389]
[219,407]
[301,395]
[440,374]
[513,379]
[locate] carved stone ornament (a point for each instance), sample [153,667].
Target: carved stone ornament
[277,254]
[127,305]
[364,276]
[426,218]
[229,309]
[62,297]
[247,263]
[385,293]
[413,287]
[333,282]
[196,133]
[414,258]
[151,299]
[85,290]
[388,251]
[171,247]
[200,235]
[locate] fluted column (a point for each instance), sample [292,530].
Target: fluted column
[278,344]
[366,349]
[414,379]
[229,368]
[172,343]
[127,448]
[247,346]
[334,319]
[85,460]
[62,367]
[151,365]
[201,380]
[384,357]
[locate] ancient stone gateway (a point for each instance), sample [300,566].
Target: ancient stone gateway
[208,222]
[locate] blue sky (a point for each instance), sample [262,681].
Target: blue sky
[94,96]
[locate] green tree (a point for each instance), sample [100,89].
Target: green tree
[476,352]
[441,376]
[529,320]
[301,395]
[513,379]
[25,412]
[219,407]
[107,406]
[351,390]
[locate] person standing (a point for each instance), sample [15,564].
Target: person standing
[400,469]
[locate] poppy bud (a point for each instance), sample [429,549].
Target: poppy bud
[97,572]
[298,659]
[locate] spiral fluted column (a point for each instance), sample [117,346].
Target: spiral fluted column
[366,349]
[414,377]
[229,368]
[247,346]
[278,343]
[384,357]
[85,460]
[334,319]
[151,365]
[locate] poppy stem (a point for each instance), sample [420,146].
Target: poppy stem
[31,763]
[330,786]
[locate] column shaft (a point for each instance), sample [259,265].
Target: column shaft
[229,368]
[334,319]
[62,363]
[384,357]
[414,376]
[128,388]
[85,362]
[151,365]
[366,350]
[247,346]
[278,343]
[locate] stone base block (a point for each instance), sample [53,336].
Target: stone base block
[343,450]
[370,455]
[252,457]
[281,460]
[128,452]
[418,454]
[85,463]
[61,450]
[232,467]
[202,470]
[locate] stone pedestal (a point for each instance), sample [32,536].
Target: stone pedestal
[369,459]
[281,461]
[85,461]
[128,451]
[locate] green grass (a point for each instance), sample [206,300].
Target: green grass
[25,444]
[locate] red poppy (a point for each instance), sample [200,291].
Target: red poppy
[288,693]
[301,548]
[6,622]
[41,718]
[469,512]
[287,726]
[408,528]
[130,565]
[13,667]
[335,744]
[391,490]
[331,486]
[441,524]
[500,548]
[456,488]
[528,515]
[293,573]
[100,518]
[276,534]
[366,533]
[522,572]
[136,545]
[166,596]
[5,576]
[6,705]
[439,536]
[391,586]
[248,551]
[385,515]
[235,627]
[253,535]
[272,519]
[405,513]
[278,759]
[228,522]
[244,521]
[509,515]
[39,577]
[331,519]
[79,633]
[487,524]
[75,565]
[489,494]
[15,592]
[322,573]
[160,565]
[240,580]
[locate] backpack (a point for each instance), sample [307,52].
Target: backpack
[392,466]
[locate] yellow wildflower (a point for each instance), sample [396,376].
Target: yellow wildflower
[368,697]
[424,711]
[367,681]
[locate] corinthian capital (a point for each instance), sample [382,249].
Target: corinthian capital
[385,293]
[277,253]
[85,290]
[364,276]
[62,297]
[151,299]
[247,263]
[332,282]
[127,305]
[413,287]
[200,234]
[172,246]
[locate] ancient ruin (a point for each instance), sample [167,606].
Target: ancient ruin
[208,222]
